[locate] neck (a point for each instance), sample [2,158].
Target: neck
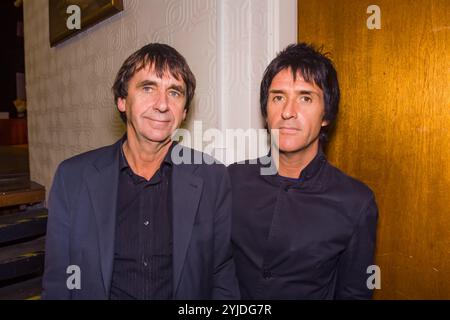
[144,156]
[292,163]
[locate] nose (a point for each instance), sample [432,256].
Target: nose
[161,104]
[289,110]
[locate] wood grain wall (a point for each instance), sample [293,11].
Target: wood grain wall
[393,130]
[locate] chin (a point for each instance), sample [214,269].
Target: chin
[297,146]
[157,137]
[290,146]
[290,149]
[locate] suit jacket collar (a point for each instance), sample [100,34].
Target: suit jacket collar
[102,181]
[186,192]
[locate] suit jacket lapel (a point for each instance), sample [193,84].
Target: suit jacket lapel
[186,192]
[102,182]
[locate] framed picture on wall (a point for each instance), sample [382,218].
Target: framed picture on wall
[69,17]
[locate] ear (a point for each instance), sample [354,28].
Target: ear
[325,122]
[121,104]
[184,114]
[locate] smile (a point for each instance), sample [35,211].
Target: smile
[158,124]
[157,120]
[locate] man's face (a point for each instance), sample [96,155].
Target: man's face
[154,106]
[296,109]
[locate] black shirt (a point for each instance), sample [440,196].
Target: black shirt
[143,242]
[306,238]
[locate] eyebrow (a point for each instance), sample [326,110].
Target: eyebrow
[144,83]
[310,92]
[178,88]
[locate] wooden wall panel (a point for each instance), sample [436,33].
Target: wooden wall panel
[393,130]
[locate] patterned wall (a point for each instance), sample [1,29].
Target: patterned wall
[227,43]
[70,105]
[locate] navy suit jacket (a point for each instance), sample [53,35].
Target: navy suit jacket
[82,221]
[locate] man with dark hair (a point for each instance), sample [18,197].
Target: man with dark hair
[309,230]
[126,221]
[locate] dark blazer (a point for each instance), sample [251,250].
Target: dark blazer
[82,220]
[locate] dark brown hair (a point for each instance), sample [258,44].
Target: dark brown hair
[163,58]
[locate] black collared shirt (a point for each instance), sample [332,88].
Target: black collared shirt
[143,242]
[306,238]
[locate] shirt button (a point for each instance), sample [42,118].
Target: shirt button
[267,274]
[146,223]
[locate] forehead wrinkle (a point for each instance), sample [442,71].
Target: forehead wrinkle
[150,72]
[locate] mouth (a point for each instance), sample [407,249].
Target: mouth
[157,120]
[288,130]
[158,123]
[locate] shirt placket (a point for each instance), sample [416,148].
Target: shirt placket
[267,272]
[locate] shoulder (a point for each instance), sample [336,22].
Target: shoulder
[348,183]
[198,162]
[246,168]
[79,163]
[354,194]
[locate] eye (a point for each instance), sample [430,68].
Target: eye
[174,93]
[306,99]
[277,98]
[147,88]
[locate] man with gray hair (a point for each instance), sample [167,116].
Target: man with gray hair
[135,223]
